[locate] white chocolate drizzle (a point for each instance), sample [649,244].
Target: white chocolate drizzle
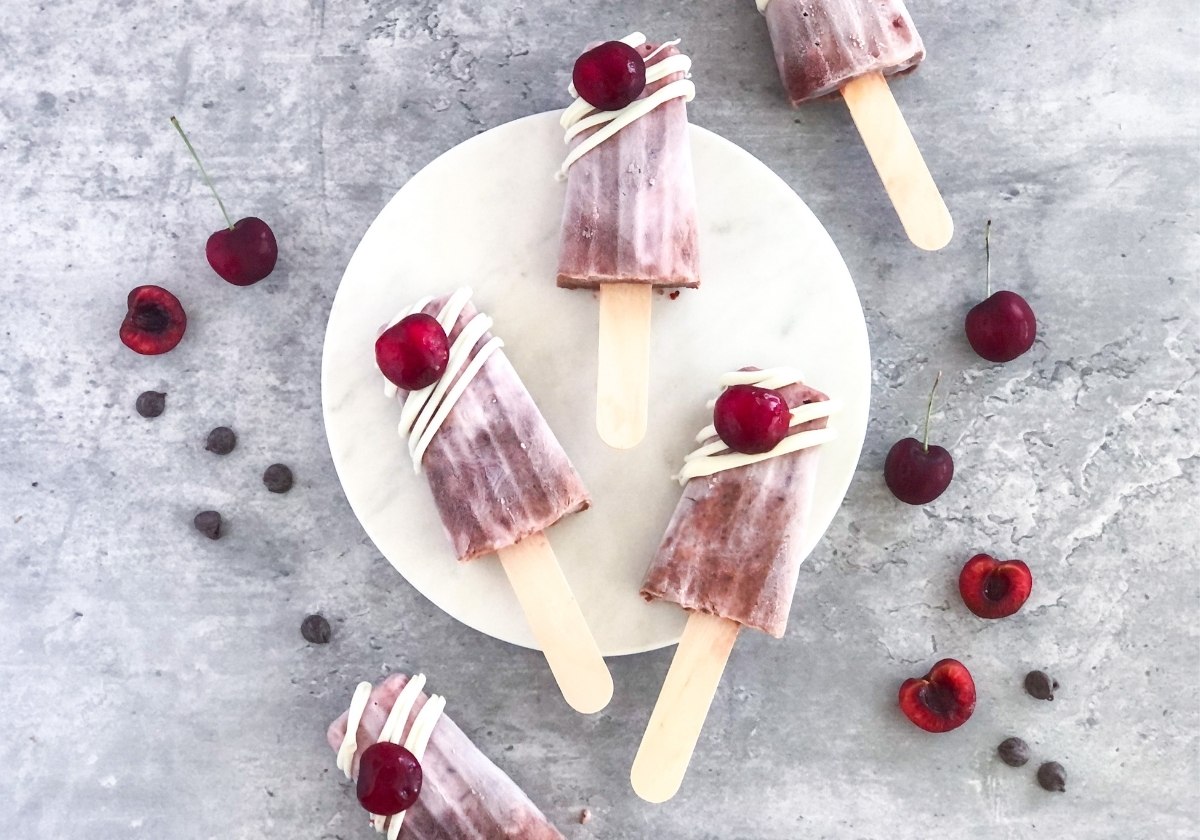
[349,748]
[393,728]
[426,410]
[580,115]
[714,456]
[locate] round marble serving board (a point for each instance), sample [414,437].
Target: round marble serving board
[486,214]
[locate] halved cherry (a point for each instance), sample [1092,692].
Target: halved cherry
[994,588]
[941,700]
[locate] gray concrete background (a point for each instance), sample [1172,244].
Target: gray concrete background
[155,684]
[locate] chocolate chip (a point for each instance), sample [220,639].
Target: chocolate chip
[1052,777]
[1013,751]
[208,523]
[278,478]
[221,440]
[315,629]
[1040,685]
[151,403]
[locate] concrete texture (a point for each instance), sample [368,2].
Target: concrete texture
[155,684]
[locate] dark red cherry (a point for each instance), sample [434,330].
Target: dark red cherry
[155,322]
[413,353]
[609,76]
[916,472]
[1003,326]
[389,779]
[750,419]
[242,252]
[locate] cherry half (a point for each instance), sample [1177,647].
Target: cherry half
[1003,326]
[993,588]
[751,420]
[916,472]
[413,353]
[941,700]
[244,252]
[389,779]
[155,322]
[609,76]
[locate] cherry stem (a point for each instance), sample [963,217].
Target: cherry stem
[207,180]
[929,409]
[987,252]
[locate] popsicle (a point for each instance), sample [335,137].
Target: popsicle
[629,220]
[823,47]
[461,792]
[731,553]
[498,474]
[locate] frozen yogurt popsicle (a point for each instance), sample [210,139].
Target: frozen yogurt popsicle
[629,221]
[730,556]
[630,212]
[731,549]
[499,477]
[820,46]
[823,47]
[463,794]
[497,472]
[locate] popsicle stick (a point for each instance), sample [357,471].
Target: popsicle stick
[892,148]
[558,624]
[678,716]
[624,363]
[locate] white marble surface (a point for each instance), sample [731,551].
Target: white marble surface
[791,302]
[156,685]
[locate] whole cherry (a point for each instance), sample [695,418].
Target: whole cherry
[916,472]
[1003,326]
[751,420]
[414,352]
[155,321]
[243,252]
[389,779]
[610,76]
[941,700]
[993,588]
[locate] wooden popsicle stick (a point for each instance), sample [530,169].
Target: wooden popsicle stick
[558,624]
[624,363]
[892,148]
[678,716]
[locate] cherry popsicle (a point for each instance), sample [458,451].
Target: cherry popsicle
[731,553]
[629,217]
[449,788]
[498,475]
[825,47]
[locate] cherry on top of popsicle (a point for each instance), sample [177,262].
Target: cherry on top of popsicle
[750,419]
[414,352]
[389,779]
[610,76]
